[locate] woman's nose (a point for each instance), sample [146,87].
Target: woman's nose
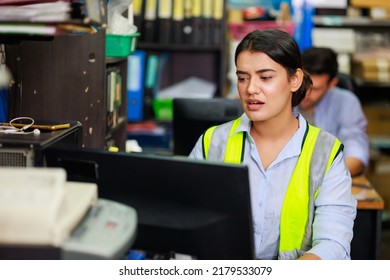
[253,88]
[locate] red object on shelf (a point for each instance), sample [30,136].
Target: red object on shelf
[239,30]
[251,13]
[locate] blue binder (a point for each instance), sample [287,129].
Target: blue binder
[135,85]
[3,105]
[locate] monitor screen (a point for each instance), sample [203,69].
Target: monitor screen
[191,117]
[190,207]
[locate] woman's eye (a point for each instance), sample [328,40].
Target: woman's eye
[242,78]
[265,78]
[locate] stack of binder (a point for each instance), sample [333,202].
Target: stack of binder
[194,22]
[144,72]
[114,100]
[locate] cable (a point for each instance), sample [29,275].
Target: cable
[13,128]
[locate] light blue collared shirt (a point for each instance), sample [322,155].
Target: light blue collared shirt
[340,113]
[335,205]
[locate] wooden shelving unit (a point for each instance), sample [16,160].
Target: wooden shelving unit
[64,78]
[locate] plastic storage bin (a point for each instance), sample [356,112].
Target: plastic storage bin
[239,30]
[118,45]
[163,109]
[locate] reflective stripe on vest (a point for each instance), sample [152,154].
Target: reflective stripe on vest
[235,147]
[298,205]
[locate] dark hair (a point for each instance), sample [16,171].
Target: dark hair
[320,60]
[281,48]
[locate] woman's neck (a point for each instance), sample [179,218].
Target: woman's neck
[271,136]
[276,128]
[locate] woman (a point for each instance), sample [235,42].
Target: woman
[302,205]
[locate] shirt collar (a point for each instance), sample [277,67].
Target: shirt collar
[293,147]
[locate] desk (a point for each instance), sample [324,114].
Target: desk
[365,244]
[27,150]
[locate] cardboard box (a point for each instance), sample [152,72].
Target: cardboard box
[370,3]
[378,117]
[371,69]
[371,76]
[341,40]
[373,65]
[379,13]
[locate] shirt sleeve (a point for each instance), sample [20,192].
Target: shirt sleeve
[335,212]
[197,151]
[352,131]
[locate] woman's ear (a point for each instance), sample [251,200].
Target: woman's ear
[296,80]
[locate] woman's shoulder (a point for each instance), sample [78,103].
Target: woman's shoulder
[327,137]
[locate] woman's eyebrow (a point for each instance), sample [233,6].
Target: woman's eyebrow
[257,71]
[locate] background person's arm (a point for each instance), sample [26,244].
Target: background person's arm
[309,256]
[353,135]
[355,166]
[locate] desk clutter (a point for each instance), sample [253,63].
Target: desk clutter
[149,255]
[21,146]
[379,175]
[366,194]
[151,136]
[43,216]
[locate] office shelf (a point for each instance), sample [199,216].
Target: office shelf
[350,22]
[192,55]
[64,77]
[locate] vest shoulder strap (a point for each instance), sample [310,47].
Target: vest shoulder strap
[207,141]
[318,153]
[235,145]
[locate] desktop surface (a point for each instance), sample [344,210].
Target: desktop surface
[25,149]
[45,138]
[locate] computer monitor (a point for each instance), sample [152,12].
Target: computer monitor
[190,207]
[191,117]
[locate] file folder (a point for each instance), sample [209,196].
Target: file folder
[152,62]
[197,22]
[218,12]
[177,21]
[3,104]
[137,13]
[164,21]
[135,85]
[150,19]
[188,23]
[207,7]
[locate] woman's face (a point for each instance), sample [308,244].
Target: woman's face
[264,87]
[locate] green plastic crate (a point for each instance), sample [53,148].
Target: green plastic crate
[121,45]
[163,109]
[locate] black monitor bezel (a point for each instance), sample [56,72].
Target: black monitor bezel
[192,116]
[193,207]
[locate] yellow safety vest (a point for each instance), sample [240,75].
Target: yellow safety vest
[298,206]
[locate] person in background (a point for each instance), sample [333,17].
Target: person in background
[334,109]
[301,200]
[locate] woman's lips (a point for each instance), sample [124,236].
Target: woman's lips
[254,104]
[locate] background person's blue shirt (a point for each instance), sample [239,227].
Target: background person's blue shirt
[340,113]
[335,205]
